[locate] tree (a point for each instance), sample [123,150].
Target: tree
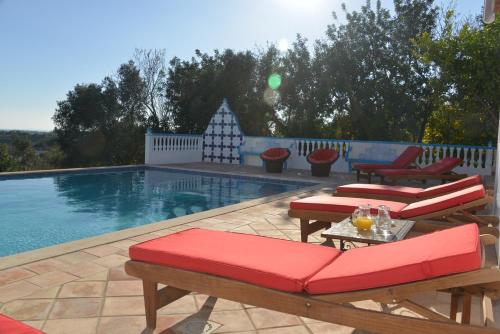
[196,88]
[467,61]
[151,64]
[379,88]
[300,113]
[6,163]
[23,153]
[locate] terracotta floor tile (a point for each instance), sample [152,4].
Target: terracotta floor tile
[29,309]
[45,266]
[263,318]
[44,293]
[84,269]
[75,308]
[110,261]
[124,288]
[17,290]
[232,321]
[144,237]
[121,325]
[184,305]
[286,330]
[123,306]
[76,257]
[73,326]
[218,304]
[119,274]
[123,244]
[100,276]
[14,274]
[51,279]
[102,250]
[82,289]
[35,323]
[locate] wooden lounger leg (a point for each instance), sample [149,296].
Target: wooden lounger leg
[304,230]
[454,306]
[358,172]
[307,228]
[150,302]
[466,308]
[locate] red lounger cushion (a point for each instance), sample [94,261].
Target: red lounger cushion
[451,251]
[443,202]
[450,187]
[409,155]
[275,153]
[344,204]
[11,326]
[379,189]
[272,263]
[445,165]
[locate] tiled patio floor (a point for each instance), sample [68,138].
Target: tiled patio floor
[88,291]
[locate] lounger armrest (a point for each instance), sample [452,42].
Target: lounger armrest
[487,240]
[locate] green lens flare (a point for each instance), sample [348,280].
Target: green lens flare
[274,81]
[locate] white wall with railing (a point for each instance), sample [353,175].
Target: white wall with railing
[177,148]
[162,148]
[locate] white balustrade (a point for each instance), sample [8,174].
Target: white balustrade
[172,148]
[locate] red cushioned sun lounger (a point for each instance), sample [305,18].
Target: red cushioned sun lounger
[404,194]
[405,160]
[319,282]
[440,170]
[318,212]
[11,326]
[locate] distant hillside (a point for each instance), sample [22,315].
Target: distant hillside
[40,140]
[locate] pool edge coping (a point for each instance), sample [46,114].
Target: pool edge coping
[39,254]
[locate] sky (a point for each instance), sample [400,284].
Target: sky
[49,46]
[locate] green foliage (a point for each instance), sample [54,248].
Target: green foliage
[103,124]
[467,61]
[6,163]
[381,75]
[196,88]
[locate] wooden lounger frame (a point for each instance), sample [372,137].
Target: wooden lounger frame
[314,220]
[336,308]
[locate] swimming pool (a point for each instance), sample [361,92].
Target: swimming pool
[48,209]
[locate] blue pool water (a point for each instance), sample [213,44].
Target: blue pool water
[47,210]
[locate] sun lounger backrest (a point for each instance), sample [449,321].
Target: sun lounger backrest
[443,166]
[409,155]
[446,252]
[450,187]
[443,202]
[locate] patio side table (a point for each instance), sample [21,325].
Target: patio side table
[348,234]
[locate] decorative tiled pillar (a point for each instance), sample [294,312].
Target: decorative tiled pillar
[223,137]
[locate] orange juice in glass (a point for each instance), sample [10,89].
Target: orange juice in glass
[362,219]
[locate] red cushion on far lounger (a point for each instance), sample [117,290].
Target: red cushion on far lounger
[344,204]
[11,326]
[408,156]
[450,187]
[443,202]
[380,189]
[446,252]
[272,263]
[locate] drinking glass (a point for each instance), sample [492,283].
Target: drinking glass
[384,218]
